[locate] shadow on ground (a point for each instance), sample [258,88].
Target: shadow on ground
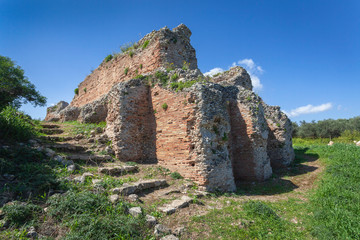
[277,184]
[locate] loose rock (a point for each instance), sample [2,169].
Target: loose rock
[161,230]
[114,198]
[135,211]
[150,221]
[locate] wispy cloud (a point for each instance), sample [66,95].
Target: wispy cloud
[253,69]
[309,109]
[214,71]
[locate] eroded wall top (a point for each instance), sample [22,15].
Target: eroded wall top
[164,47]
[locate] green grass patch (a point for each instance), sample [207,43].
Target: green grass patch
[15,125]
[335,203]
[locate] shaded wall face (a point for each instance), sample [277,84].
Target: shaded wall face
[175,120]
[241,148]
[131,123]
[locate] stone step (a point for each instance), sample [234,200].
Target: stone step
[51,131]
[140,186]
[65,147]
[117,170]
[89,158]
[176,204]
[50,126]
[56,138]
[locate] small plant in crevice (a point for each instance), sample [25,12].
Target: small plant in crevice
[141,66]
[174,77]
[225,137]
[164,106]
[108,57]
[216,130]
[186,65]
[76,91]
[85,90]
[126,71]
[146,43]
[169,67]
[162,77]
[131,54]
[139,76]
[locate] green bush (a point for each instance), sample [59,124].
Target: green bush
[19,214]
[126,71]
[139,76]
[15,125]
[162,77]
[146,43]
[131,54]
[176,175]
[174,77]
[165,106]
[76,91]
[85,90]
[108,57]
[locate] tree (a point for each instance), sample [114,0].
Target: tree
[15,88]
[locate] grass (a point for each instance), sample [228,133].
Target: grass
[76,128]
[176,175]
[335,204]
[179,86]
[92,216]
[15,125]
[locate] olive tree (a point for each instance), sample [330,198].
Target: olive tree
[15,88]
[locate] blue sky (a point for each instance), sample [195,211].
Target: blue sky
[304,55]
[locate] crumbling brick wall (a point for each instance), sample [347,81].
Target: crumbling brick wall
[158,48]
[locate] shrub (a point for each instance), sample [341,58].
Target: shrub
[176,175]
[131,54]
[186,65]
[164,106]
[141,66]
[126,71]
[146,43]
[15,125]
[85,90]
[169,67]
[174,77]
[139,76]
[162,77]
[20,213]
[108,57]
[76,91]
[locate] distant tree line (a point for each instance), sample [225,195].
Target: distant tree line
[329,128]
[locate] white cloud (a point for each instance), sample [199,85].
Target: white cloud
[253,70]
[309,109]
[214,71]
[249,63]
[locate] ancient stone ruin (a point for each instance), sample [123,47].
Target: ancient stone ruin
[160,108]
